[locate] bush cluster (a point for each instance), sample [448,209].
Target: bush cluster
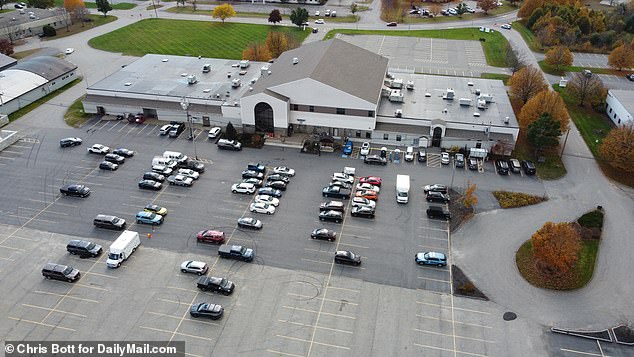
[508,199]
[592,219]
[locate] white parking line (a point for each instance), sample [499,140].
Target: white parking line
[284,353]
[176,333]
[7,259]
[450,350]
[140,131]
[431,246]
[316,261]
[177,288]
[178,317]
[102,275]
[581,352]
[320,327]
[457,336]
[175,302]
[354,236]
[346,289]
[315,312]
[432,279]
[320,298]
[104,124]
[319,251]
[11,248]
[90,287]
[123,127]
[312,341]
[354,245]
[114,126]
[41,323]
[49,309]
[450,321]
[30,218]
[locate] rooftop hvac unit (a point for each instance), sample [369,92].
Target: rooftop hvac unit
[295,60]
[397,83]
[449,95]
[235,83]
[264,69]
[465,102]
[191,79]
[396,96]
[506,120]
[487,97]
[410,85]
[477,91]
[470,84]
[476,114]
[217,95]
[245,64]
[183,74]
[482,104]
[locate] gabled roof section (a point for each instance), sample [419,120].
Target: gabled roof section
[46,66]
[335,63]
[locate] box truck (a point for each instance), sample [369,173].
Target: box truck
[122,248]
[402,188]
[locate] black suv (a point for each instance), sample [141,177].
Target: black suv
[83,248]
[332,206]
[117,159]
[154,176]
[336,192]
[433,196]
[438,212]
[193,165]
[502,167]
[323,234]
[220,285]
[334,216]
[176,130]
[347,257]
[375,160]
[362,211]
[75,190]
[60,272]
[69,142]
[529,167]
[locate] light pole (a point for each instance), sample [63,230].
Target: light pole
[185,106]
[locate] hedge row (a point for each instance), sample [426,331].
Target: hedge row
[508,199]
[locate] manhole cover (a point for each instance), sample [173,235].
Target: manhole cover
[509,316]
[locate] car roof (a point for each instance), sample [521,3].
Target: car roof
[436,255]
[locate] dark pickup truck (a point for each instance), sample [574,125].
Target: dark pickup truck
[236,252]
[220,285]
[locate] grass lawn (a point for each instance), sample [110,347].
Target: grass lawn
[25,110]
[563,69]
[493,46]
[75,115]
[97,20]
[503,77]
[93,5]
[152,7]
[204,38]
[22,54]
[577,278]
[262,15]
[528,36]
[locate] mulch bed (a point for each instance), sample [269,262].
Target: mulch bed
[463,286]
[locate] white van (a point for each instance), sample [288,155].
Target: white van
[160,160]
[175,155]
[122,248]
[409,153]
[165,129]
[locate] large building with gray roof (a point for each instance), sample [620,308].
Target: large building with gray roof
[619,106]
[327,86]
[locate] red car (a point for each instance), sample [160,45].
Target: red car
[369,194]
[372,180]
[211,236]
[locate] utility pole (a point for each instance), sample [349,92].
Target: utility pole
[185,106]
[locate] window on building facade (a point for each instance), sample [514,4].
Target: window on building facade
[386,137]
[295,107]
[341,111]
[370,113]
[358,134]
[368,135]
[311,109]
[610,110]
[398,138]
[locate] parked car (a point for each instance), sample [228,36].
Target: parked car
[107,165]
[444,158]
[176,130]
[114,158]
[189,173]
[391,24]
[365,149]
[194,267]
[60,272]
[473,163]
[98,149]
[180,180]
[123,152]
[75,190]
[409,154]
[336,192]
[210,236]
[245,188]
[373,180]
[203,309]
[283,170]
[515,166]
[459,160]
[433,196]
[220,285]
[66,142]
[252,174]
[278,185]
[362,211]
[249,222]
[214,132]
[361,201]
[506,26]
[630,77]
[229,145]
[165,129]
[438,212]
[154,176]
[502,167]
[339,176]
[332,206]
[155,209]
[278,177]
[333,216]
[529,167]
[257,183]
[261,207]
[67,51]
[323,234]
[256,166]
[161,169]
[436,188]
[340,184]
[149,218]
[193,165]
[431,258]
[347,148]
[375,160]
[84,249]
[347,257]
[369,194]
[320,21]
[367,186]
[267,199]
[270,191]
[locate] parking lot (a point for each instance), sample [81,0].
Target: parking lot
[293,299]
[426,55]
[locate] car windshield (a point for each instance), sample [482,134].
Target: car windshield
[113,256]
[90,246]
[67,271]
[151,216]
[351,255]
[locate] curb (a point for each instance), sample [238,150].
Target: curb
[292,146]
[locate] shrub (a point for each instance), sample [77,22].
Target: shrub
[508,199]
[592,219]
[49,31]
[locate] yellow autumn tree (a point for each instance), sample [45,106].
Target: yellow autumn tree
[622,57]
[223,12]
[545,102]
[556,247]
[256,52]
[559,56]
[276,42]
[617,148]
[526,83]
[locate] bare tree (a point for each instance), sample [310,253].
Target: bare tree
[586,87]
[11,29]
[514,59]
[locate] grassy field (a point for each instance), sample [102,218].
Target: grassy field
[75,115]
[577,278]
[503,77]
[493,46]
[261,15]
[93,5]
[97,20]
[25,110]
[204,38]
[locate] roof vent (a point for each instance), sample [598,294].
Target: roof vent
[269,72]
[295,60]
[191,79]
[476,114]
[183,74]
[127,84]
[250,89]
[165,60]
[506,120]
[428,95]
[470,84]
[206,90]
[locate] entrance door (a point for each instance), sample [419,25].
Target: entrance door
[263,117]
[437,137]
[206,121]
[101,110]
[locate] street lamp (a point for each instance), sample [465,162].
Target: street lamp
[185,106]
